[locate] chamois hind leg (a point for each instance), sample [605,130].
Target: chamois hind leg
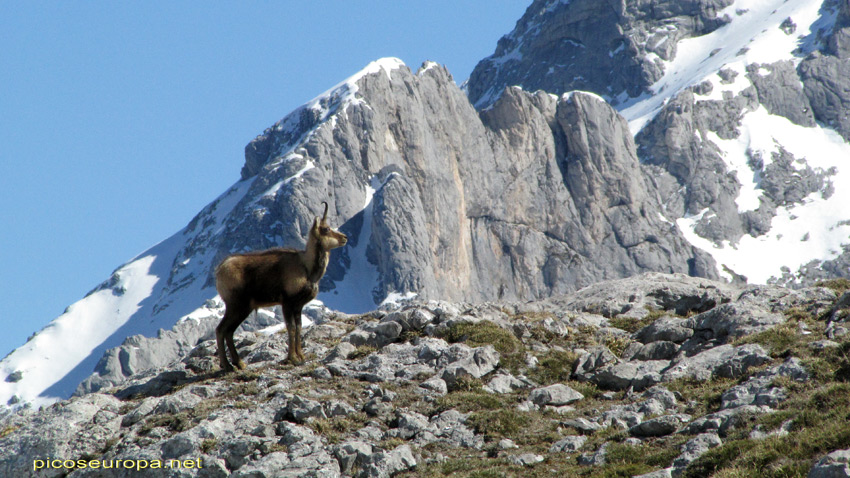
[296,318]
[234,355]
[224,333]
[291,355]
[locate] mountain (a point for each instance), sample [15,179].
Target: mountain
[739,111]
[708,139]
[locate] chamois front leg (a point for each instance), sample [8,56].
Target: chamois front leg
[292,342]
[219,340]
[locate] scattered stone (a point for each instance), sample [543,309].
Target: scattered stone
[662,473]
[570,444]
[695,448]
[352,454]
[596,458]
[659,426]
[526,459]
[435,384]
[636,375]
[833,465]
[581,424]
[507,444]
[483,360]
[554,395]
[505,383]
[386,464]
[596,359]
[667,329]
[721,361]
[820,345]
[658,350]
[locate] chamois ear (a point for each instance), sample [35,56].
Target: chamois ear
[316,223]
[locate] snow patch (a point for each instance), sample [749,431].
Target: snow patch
[354,293]
[568,96]
[427,66]
[734,154]
[753,36]
[67,340]
[395,298]
[825,219]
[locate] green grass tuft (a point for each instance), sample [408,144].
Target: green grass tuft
[839,285]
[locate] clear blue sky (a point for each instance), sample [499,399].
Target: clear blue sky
[119,121]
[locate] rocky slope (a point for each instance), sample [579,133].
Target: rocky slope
[711,140]
[655,375]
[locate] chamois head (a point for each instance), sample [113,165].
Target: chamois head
[324,235]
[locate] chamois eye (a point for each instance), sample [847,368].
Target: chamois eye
[324,229]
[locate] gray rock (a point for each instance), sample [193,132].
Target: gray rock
[387,463]
[781,92]
[596,458]
[270,465]
[482,361]
[301,409]
[833,465]
[635,296]
[825,83]
[756,391]
[554,395]
[621,418]
[337,408]
[450,427]
[720,422]
[695,448]
[436,385]
[569,444]
[637,375]
[598,358]
[581,424]
[823,344]
[600,49]
[662,473]
[730,321]
[668,329]
[505,383]
[178,446]
[659,350]
[411,424]
[507,444]
[722,361]
[658,401]
[343,350]
[760,389]
[659,426]
[352,454]
[526,459]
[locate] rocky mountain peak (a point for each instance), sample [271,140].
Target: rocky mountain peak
[615,49]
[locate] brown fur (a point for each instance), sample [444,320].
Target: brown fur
[277,276]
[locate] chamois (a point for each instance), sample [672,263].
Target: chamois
[276,276]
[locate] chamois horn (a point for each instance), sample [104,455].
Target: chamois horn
[325,216]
